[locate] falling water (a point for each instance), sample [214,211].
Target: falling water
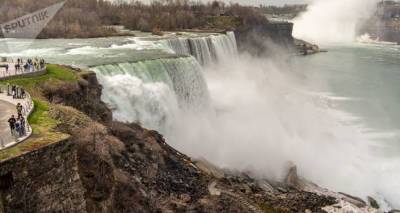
[151,92]
[260,116]
[206,49]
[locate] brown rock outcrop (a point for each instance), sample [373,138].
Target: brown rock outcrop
[110,166]
[84,95]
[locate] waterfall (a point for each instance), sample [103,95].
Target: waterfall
[206,49]
[152,92]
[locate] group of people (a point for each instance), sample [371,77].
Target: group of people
[17,92]
[21,65]
[29,65]
[18,124]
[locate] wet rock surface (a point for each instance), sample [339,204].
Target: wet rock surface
[122,167]
[306,48]
[354,200]
[373,203]
[45,180]
[126,167]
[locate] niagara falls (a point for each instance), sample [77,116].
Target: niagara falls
[201,106]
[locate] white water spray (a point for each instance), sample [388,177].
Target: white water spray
[264,118]
[332,20]
[152,92]
[261,117]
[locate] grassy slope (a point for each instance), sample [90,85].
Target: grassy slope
[42,123]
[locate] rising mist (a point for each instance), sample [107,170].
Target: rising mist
[332,20]
[260,115]
[264,117]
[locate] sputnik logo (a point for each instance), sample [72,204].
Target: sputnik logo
[30,25]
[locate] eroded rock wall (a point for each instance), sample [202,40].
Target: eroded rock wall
[45,180]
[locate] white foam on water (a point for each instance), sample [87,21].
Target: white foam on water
[85,50]
[367,39]
[42,52]
[126,46]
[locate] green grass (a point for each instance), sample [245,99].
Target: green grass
[44,132]
[38,113]
[43,125]
[55,74]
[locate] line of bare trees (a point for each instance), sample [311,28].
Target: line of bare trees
[282,10]
[87,18]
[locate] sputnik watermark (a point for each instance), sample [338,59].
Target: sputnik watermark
[30,25]
[18,26]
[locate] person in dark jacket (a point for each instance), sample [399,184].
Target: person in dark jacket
[19,109]
[23,129]
[14,91]
[12,122]
[18,128]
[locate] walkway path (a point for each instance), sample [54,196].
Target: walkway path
[7,109]
[9,104]
[11,69]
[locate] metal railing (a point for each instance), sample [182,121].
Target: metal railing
[12,67]
[25,99]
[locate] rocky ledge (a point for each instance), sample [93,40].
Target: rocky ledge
[306,48]
[108,166]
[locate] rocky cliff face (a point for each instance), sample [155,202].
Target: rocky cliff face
[84,95]
[268,38]
[384,30]
[385,23]
[260,38]
[45,180]
[110,166]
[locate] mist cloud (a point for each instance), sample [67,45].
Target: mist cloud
[332,20]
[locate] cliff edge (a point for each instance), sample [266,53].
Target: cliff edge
[100,165]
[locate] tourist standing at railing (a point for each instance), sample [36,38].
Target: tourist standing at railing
[17,67]
[42,63]
[23,130]
[14,91]
[23,94]
[18,128]
[12,122]
[19,109]
[17,124]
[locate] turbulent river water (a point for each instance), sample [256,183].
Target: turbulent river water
[335,114]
